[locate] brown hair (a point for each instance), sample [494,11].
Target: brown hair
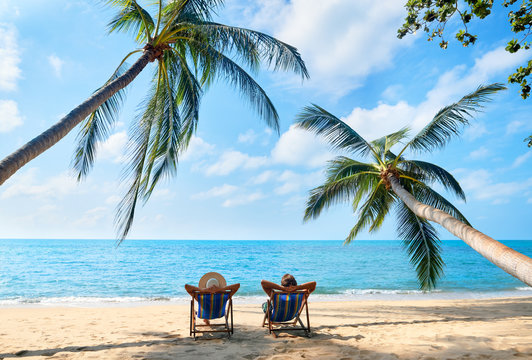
[288,280]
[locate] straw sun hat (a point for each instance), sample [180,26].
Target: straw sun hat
[212,279]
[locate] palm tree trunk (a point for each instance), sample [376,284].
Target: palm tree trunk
[50,137]
[511,261]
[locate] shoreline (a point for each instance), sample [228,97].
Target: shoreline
[386,329]
[367,295]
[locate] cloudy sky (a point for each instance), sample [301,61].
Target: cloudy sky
[240,180]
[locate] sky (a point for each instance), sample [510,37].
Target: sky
[239,179]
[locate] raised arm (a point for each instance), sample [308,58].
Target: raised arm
[268,287]
[310,286]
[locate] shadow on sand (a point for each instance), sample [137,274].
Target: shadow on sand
[327,342]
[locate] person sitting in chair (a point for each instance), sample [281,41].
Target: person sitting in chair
[287,281]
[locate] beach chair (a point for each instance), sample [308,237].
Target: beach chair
[285,307]
[212,303]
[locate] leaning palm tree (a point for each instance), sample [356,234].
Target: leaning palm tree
[190,52]
[392,181]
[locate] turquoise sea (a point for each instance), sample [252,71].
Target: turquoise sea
[96,272]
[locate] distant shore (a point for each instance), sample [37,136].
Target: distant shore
[399,329]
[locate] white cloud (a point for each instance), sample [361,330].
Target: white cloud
[163,193]
[521,159]
[341,41]
[382,120]
[231,160]
[30,184]
[113,200]
[515,127]
[475,131]
[197,148]
[10,118]
[393,92]
[216,191]
[92,217]
[9,58]
[300,147]
[248,137]
[113,148]
[56,63]
[293,182]
[264,177]
[243,199]
[481,185]
[479,153]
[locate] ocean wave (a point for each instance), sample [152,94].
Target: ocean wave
[386,292]
[524,288]
[87,300]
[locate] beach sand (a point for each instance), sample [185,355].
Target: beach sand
[421,329]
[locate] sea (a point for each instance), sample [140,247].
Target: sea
[86,273]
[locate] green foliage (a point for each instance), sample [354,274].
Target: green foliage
[190,53]
[365,184]
[432,17]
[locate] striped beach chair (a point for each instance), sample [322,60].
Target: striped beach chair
[211,304]
[285,307]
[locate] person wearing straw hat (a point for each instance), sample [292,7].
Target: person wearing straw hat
[212,282]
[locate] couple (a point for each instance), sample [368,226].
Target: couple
[285,303]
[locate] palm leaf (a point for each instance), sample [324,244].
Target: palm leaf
[96,128]
[345,179]
[434,173]
[338,134]
[422,244]
[250,44]
[374,210]
[384,144]
[138,147]
[223,68]
[132,19]
[450,120]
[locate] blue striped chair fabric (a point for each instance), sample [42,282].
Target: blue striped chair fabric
[285,307]
[212,306]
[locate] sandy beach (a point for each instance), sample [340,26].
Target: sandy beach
[421,329]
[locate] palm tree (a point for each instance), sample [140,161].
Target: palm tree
[190,52]
[392,181]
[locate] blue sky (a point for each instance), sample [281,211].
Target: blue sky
[239,180]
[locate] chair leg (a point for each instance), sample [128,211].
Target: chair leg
[191,315]
[308,320]
[232,329]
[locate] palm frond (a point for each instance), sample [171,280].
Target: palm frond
[433,172]
[450,120]
[373,212]
[151,146]
[168,129]
[345,179]
[338,134]
[189,91]
[178,10]
[384,144]
[96,128]
[137,149]
[133,19]
[250,44]
[226,69]
[420,240]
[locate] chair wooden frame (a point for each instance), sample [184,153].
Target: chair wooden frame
[225,327]
[273,290]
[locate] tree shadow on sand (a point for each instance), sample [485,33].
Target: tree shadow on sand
[328,341]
